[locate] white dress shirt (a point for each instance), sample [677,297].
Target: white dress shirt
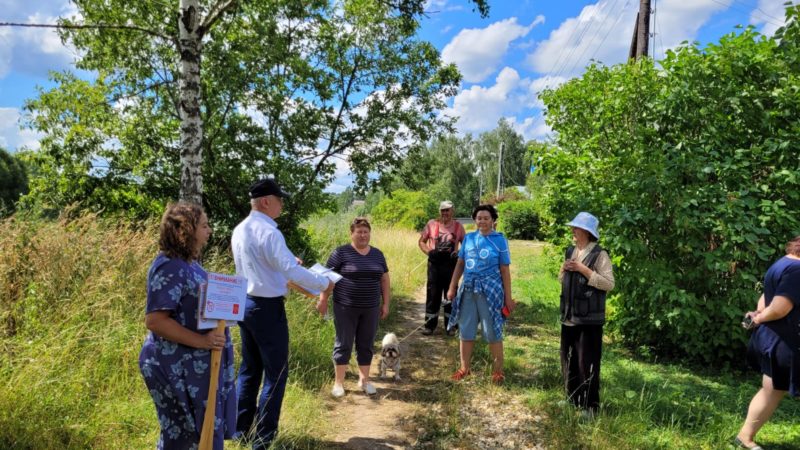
[261,256]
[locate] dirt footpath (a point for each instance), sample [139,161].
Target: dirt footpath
[383,421]
[405,414]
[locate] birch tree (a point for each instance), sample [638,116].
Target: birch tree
[230,91]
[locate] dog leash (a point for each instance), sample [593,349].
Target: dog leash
[412,332]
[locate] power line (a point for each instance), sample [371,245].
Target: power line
[731,5]
[590,22]
[613,27]
[654,11]
[761,11]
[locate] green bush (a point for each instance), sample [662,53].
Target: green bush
[518,219]
[692,170]
[405,209]
[13,181]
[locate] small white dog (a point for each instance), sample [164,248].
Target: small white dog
[390,356]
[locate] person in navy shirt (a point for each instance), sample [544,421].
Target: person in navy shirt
[774,347]
[357,305]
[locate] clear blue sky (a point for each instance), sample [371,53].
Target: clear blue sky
[506,59]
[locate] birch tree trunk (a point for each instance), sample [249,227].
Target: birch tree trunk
[191,135]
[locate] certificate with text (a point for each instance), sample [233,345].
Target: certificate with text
[225,297]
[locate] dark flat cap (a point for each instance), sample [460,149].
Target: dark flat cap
[267,186]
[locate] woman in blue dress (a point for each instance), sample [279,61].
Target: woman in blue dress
[483,260]
[774,347]
[176,357]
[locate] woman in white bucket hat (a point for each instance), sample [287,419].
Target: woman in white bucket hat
[586,276]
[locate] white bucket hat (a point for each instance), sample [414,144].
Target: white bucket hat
[447,204]
[586,221]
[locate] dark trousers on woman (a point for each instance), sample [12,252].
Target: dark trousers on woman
[265,353]
[581,350]
[439,275]
[359,325]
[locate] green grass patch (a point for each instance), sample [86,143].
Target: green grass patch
[646,404]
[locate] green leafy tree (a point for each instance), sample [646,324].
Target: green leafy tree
[694,174]
[518,219]
[405,209]
[273,87]
[444,170]
[464,169]
[515,162]
[13,181]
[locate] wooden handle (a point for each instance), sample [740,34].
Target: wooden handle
[296,287]
[207,433]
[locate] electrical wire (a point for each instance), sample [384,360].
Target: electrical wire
[612,28]
[590,21]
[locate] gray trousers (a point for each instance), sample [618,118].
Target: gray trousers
[354,324]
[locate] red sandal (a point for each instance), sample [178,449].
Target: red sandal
[460,374]
[498,377]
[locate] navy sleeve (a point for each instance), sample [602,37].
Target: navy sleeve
[165,285]
[335,260]
[383,261]
[789,286]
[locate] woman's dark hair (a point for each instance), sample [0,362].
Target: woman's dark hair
[793,246]
[360,221]
[177,231]
[489,208]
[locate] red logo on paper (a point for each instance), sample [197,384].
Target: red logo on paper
[236,309]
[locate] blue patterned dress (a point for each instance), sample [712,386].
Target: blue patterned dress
[176,375]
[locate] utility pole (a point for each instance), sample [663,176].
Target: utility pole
[499,168]
[641,32]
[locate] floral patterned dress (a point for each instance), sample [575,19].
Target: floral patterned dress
[176,375]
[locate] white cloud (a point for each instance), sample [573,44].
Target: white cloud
[342,178]
[771,14]
[13,138]
[34,51]
[479,108]
[603,30]
[540,84]
[531,127]
[478,51]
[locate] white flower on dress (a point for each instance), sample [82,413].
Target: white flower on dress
[168,347]
[200,367]
[159,280]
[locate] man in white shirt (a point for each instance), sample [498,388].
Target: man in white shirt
[261,256]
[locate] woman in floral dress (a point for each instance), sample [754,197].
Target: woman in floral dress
[176,357]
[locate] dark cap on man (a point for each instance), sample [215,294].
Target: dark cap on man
[267,186]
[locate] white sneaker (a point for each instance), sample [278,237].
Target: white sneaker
[368,388]
[337,391]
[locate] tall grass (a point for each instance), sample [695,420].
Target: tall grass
[646,404]
[71,302]
[72,324]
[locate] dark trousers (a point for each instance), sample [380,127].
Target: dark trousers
[354,324]
[265,354]
[581,350]
[439,275]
